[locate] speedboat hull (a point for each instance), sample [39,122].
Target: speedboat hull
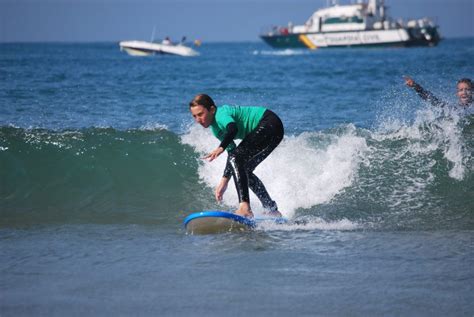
[142,48]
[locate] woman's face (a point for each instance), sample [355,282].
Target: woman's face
[464,93]
[203,116]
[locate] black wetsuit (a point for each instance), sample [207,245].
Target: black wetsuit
[428,96]
[435,101]
[253,149]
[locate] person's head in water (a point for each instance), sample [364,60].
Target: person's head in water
[464,91]
[203,109]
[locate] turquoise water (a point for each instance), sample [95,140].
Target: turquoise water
[100,163]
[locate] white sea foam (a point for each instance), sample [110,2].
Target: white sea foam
[311,225]
[153,126]
[285,52]
[406,158]
[434,129]
[302,172]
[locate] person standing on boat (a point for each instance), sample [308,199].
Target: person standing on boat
[260,129]
[167,41]
[464,94]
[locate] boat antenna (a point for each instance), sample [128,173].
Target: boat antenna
[153,34]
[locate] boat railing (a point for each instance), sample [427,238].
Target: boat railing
[277,29]
[421,22]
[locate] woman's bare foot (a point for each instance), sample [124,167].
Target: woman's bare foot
[244,210]
[248,214]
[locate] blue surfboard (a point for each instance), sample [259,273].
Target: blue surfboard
[215,221]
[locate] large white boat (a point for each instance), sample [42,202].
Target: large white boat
[142,48]
[359,24]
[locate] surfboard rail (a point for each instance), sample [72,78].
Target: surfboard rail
[216,221]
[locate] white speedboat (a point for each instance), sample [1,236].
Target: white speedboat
[142,48]
[359,24]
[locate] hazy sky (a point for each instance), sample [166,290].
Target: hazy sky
[208,20]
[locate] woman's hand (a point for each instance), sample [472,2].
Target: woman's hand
[214,154]
[221,188]
[409,81]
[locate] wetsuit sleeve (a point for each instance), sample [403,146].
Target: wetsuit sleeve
[228,139]
[229,135]
[428,96]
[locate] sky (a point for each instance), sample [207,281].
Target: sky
[207,20]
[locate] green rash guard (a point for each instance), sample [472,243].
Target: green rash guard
[246,119]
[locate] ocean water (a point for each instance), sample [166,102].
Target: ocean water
[100,163]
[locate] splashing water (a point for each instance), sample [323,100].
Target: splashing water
[303,171]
